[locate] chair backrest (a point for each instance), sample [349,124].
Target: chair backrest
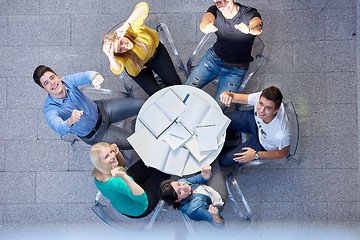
[93,93]
[191,61]
[235,195]
[294,139]
[259,60]
[105,211]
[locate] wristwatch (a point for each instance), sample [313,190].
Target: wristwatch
[256,156]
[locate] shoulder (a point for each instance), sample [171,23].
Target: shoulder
[253,98]
[195,179]
[100,177]
[212,9]
[252,12]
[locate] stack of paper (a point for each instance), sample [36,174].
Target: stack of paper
[160,115]
[176,135]
[158,154]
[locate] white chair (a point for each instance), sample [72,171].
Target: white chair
[232,184]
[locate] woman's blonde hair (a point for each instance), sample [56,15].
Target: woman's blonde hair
[138,62]
[95,158]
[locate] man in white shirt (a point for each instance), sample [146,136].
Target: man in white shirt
[267,122]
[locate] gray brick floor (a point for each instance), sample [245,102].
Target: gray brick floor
[311,55]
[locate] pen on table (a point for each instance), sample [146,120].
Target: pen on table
[210,125]
[186,97]
[176,136]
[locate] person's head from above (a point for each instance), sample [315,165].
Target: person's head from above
[49,81]
[120,45]
[172,192]
[103,157]
[269,104]
[123,48]
[226,7]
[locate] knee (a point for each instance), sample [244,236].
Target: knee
[193,81]
[225,161]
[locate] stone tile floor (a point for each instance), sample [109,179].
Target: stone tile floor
[311,55]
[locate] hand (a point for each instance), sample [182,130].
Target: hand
[209,28]
[226,98]
[108,49]
[206,171]
[120,32]
[97,81]
[213,210]
[75,117]
[118,172]
[114,148]
[242,27]
[245,156]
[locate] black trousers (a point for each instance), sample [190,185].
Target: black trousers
[149,179]
[162,65]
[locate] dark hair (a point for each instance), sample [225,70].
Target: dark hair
[273,94]
[39,72]
[168,194]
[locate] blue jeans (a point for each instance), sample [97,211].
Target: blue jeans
[241,121]
[210,67]
[112,111]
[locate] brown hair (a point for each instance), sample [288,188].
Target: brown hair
[39,72]
[273,94]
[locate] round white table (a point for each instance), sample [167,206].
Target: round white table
[192,165]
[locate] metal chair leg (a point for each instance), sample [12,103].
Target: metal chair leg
[155,214]
[231,181]
[189,227]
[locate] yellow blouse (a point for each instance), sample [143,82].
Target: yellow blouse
[149,36]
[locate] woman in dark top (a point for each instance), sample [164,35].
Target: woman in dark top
[235,27]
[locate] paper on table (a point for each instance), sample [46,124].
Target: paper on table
[176,161]
[176,135]
[155,120]
[162,113]
[137,141]
[207,137]
[195,111]
[217,118]
[158,154]
[193,146]
[170,104]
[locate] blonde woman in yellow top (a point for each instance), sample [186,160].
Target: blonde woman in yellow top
[137,48]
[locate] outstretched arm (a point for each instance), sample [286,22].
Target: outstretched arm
[135,15]
[228,97]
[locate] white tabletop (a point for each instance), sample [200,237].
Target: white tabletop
[192,166]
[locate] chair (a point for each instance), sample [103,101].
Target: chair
[256,52]
[75,141]
[165,37]
[231,183]
[115,219]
